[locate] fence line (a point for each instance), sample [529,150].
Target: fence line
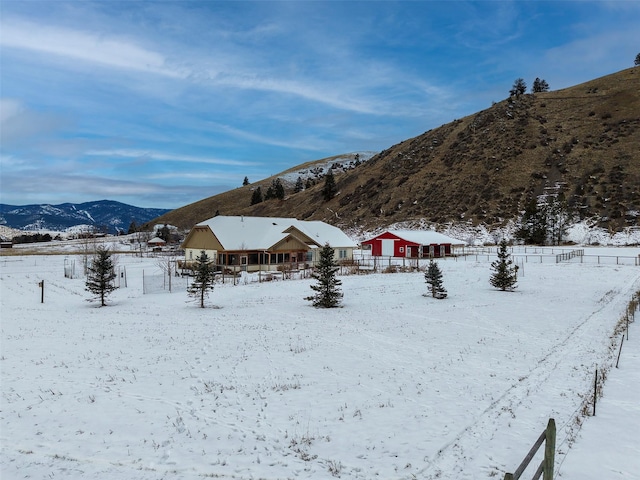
[163,282]
[569,255]
[590,400]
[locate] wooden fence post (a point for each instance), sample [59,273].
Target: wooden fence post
[595,392]
[549,450]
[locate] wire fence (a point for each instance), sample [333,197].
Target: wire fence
[163,282]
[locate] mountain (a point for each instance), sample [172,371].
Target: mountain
[582,142]
[105,215]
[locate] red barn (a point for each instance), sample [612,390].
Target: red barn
[412,244]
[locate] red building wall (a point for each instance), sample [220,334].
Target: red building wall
[400,246]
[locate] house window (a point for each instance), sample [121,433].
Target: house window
[342,254]
[401,249]
[190,254]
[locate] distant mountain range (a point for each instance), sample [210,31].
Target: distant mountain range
[104,215]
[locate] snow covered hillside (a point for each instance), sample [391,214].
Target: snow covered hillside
[394,385]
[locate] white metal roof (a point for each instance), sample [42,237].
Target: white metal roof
[259,233]
[425,237]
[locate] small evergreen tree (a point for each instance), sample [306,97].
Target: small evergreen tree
[637,60]
[519,87]
[270,193]
[256,197]
[275,190]
[558,217]
[299,185]
[539,86]
[533,225]
[133,228]
[278,189]
[433,277]
[327,289]
[329,190]
[100,275]
[165,233]
[203,278]
[504,274]
[245,182]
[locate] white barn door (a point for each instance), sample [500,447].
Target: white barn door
[387,248]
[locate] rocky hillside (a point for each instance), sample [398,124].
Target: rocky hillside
[582,142]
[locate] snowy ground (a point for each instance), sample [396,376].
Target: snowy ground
[393,385]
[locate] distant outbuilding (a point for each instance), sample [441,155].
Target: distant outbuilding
[156,242]
[412,244]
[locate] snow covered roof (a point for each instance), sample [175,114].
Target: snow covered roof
[156,240]
[425,237]
[257,233]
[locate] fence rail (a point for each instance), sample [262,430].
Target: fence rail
[548,437]
[569,255]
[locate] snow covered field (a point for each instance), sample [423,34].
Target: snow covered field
[393,385]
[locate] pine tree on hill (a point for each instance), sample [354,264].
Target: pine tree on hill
[329,190]
[539,85]
[433,277]
[505,273]
[100,275]
[203,280]
[328,294]
[278,189]
[256,196]
[519,88]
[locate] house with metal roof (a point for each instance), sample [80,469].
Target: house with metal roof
[264,243]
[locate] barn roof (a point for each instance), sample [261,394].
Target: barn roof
[257,233]
[425,237]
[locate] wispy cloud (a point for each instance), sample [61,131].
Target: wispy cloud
[83,46]
[166,157]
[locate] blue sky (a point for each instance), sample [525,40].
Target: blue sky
[160,104]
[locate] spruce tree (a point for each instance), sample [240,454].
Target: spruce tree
[299,185]
[165,233]
[100,275]
[539,86]
[203,278]
[278,189]
[533,224]
[433,277]
[329,190]
[519,88]
[328,294]
[504,274]
[256,197]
